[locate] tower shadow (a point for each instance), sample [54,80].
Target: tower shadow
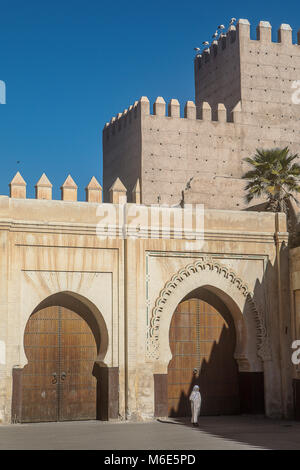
[218,381]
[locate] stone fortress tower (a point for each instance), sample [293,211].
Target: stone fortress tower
[245,98]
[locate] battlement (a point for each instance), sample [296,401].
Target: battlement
[264,32]
[258,72]
[171,110]
[246,97]
[43,189]
[217,46]
[126,117]
[242,33]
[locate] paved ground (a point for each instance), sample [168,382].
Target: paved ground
[233,432]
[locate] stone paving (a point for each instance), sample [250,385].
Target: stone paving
[233,432]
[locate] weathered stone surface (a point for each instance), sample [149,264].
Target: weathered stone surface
[17,186]
[43,188]
[93,191]
[69,190]
[136,193]
[159,107]
[117,192]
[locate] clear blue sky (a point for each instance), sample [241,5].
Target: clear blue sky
[70,65]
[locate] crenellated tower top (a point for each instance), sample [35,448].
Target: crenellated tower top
[247,97]
[238,68]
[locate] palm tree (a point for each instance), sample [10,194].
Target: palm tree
[275,175]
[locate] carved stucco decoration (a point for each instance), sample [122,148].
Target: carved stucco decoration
[207,264]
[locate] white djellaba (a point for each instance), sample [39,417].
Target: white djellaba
[195,399]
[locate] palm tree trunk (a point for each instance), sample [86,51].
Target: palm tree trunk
[273,205]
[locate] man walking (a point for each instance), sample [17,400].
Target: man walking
[195,399]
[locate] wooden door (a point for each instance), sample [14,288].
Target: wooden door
[57,382]
[202,345]
[77,357]
[39,385]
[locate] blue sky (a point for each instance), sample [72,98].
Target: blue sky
[69,66]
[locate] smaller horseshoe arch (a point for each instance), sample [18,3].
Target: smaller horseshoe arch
[252,346]
[231,289]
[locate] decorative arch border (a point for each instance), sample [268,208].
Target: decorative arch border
[209,265]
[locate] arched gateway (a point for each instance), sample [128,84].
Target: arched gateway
[206,329]
[64,379]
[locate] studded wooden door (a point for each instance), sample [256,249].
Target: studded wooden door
[202,345]
[57,382]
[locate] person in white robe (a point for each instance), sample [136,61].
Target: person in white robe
[195,399]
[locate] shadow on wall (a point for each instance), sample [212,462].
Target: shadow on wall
[217,380]
[293,219]
[274,292]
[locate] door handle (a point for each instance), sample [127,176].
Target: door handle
[63,376]
[54,380]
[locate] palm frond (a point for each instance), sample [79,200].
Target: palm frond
[274,173]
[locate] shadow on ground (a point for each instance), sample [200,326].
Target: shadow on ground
[253,430]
